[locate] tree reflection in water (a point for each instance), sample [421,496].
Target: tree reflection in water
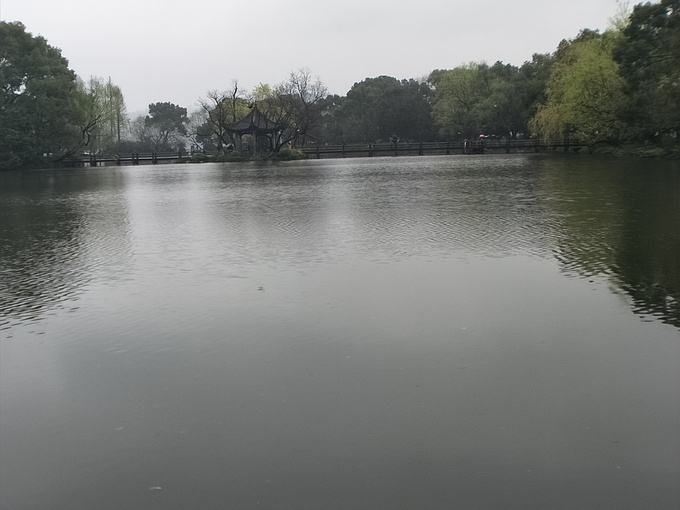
[58,231]
[621,219]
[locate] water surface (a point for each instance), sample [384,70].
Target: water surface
[432,333]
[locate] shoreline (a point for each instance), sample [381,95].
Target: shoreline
[641,152]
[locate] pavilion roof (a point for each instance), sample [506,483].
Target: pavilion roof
[255,121]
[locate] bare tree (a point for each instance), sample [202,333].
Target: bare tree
[234,94]
[296,106]
[197,130]
[223,108]
[103,114]
[142,133]
[152,137]
[215,107]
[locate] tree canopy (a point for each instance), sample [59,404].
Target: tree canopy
[165,123]
[40,100]
[295,105]
[478,99]
[584,94]
[619,86]
[649,57]
[377,109]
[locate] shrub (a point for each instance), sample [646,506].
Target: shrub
[288,154]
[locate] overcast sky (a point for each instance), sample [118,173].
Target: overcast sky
[176,50]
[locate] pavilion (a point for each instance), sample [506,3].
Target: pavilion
[258,126]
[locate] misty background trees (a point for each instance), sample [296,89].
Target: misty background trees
[615,87]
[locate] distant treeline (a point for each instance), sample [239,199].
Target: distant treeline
[616,87]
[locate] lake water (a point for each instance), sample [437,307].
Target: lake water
[416,333]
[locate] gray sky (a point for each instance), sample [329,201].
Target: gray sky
[176,50]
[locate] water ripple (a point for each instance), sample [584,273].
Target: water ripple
[65,232]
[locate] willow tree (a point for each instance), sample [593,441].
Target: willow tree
[116,119]
[585,92]
[105,114]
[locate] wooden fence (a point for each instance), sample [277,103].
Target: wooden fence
[351,150]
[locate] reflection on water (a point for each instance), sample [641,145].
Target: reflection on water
[597,217]
[58,231]
[621,219]
[446,332]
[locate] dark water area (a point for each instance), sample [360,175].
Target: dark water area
[448,332]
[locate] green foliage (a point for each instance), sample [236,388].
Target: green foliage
[649,56]
[289,154]
[105,117]
[218,158]
[295,106]
[621,87]
[199,158]
[377,109]
[261,92]
[164,129]
[477,99]
[331,126]
[40,101]
[459,94]
[165,123]
[585,92]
